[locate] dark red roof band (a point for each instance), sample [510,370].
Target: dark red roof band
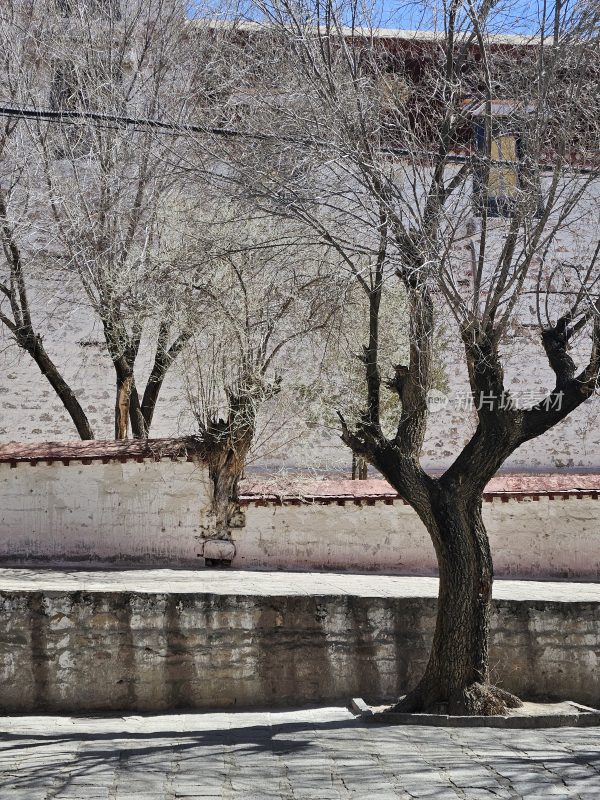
[100,450]
[341,492]
[296,491]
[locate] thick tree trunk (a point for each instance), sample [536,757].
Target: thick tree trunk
[456,679]
[225,466]
[225,474]
[227,443]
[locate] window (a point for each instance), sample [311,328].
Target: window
[95,85]
[111,8]
[503,182]
[503,178]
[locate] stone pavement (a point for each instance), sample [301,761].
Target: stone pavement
[316,754]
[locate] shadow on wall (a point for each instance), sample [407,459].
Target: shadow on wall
[108,650]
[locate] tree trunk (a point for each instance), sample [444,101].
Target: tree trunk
[225,474]
[33,345]
[124,387]
[456,679]
[149,400]
[360,468]
[139,428]
[127,407]
[227,444]
[164,358]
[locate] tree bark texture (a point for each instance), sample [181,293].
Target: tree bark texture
[226,444]
[456,679]
[225,470]
[360,468]
[124,384]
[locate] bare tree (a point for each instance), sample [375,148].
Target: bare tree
[19,41]
[460,162]
[335,384]
[101,195]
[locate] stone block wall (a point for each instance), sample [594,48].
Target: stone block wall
[70,651]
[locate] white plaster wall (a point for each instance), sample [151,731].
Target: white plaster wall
[529,538]
[545,538]
[122,513]
[30,410]
[383,538]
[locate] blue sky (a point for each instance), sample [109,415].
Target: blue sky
[509,16]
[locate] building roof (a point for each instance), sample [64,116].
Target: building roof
[399,34]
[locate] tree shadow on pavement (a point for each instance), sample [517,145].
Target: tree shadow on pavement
[57,764]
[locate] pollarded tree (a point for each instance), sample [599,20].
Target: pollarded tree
[259,292]
[462,162]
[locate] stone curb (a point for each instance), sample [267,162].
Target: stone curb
[580,717]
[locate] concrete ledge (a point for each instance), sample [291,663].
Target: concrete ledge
[165,639]
[532,715]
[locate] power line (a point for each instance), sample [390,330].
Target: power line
[71,118]
[171,128]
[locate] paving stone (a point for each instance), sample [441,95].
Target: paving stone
[288,756]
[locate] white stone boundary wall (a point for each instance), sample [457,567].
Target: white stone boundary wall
[150,504]
[533,536]
[139,512]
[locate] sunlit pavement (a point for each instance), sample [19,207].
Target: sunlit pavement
[318,753]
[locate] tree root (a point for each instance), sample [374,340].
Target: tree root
[482,700]
[478,699]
